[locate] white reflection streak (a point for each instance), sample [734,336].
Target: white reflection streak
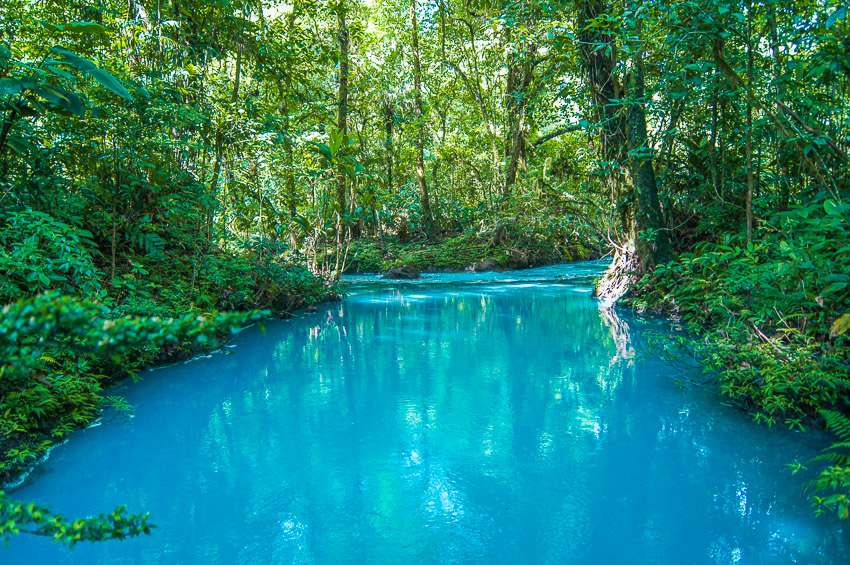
[544,445]
[620,334]
[443,497]
[741,493]
[487,444]
[291,541]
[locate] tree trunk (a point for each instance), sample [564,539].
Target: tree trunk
[620,132]
[749,140]
[599,52]
[781,152]
[289,161]
[425,202]
[715,134]
[289,176]
[517,102]
[389,119]
[342,116]
[652,242]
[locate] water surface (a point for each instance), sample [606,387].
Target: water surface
[475,418]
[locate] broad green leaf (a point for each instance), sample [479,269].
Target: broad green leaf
[110,82]
[88,68]
[835,287]
[14,85]
[303,223]
[840,326]
[59,72]
[335,141]
[324,150]
[838,14]
[68,101]
[20,145]
[834,208]
[79,27]
[80,63]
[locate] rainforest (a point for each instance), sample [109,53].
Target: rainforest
[172,171]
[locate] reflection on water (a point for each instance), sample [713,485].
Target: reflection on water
[465,421]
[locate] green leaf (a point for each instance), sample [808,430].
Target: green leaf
[303,223]
[836,15]
[335,140]
[14,85]
[68,101]
[324,150]
[20,145]
[834,208]
[80,63]
[840,326]
[59,72]
[79,27]
[112,83]
[835,287]
[88,68]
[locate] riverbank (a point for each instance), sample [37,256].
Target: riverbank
[61,352]
[770,319]
[501,248]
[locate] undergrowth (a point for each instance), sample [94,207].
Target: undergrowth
[68,330]
[506,244]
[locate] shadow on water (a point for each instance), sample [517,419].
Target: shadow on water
[462,420]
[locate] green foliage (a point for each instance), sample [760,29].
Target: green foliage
[770,323]
[17,517]
[453,253]
[40,253]
[243,282]
[511,243]
[769,308]
[54,349]
[833,481]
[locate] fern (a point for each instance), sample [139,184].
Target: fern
[834,457]
[838,423]
[148,242]
[839,453]
[49,359]
[835,479]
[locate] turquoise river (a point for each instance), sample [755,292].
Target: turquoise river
[464,418]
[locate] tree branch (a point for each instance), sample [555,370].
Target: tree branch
[810,129]
[556,133]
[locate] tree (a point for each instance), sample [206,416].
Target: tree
[425,200]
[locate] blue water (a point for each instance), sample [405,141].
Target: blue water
[461,419]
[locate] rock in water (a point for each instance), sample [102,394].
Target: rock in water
[519,259]
[403,272]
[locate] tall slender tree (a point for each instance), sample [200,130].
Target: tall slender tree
[421,181]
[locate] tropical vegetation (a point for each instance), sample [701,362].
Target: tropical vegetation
[173,170]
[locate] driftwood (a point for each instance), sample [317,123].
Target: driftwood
[620,277]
